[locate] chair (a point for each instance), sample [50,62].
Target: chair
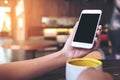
[98,54]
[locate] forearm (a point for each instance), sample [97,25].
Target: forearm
[52,62]
[28,69]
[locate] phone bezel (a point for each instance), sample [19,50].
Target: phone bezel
[82,44]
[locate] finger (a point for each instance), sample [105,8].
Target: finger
[75,27]
[108,76]
[96,44]
[73,31]
[99,32]
[100,28]
[97,38]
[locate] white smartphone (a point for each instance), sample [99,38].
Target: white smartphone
[86,30]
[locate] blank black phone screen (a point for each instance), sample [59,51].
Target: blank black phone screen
[86,28]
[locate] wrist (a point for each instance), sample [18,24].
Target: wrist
[66,55]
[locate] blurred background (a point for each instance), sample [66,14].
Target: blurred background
[22,20]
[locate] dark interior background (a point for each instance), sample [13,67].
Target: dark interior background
[36,9]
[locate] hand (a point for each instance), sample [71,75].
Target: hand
[72,52]
[93,74]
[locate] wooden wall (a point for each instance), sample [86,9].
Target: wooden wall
[35,9]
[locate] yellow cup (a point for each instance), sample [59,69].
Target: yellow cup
[75,66]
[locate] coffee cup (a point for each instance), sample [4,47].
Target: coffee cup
[77,65]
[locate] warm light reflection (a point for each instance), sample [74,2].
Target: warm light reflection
[19,8]
[20,22]
[70,30]
[5,9]
[54,31]
[2,18]
[50,32]
[62,30]
[6,1]
[5,21]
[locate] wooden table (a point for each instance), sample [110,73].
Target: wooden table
[29,45]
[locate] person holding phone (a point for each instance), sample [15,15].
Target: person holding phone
[30,69]
[86,30]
